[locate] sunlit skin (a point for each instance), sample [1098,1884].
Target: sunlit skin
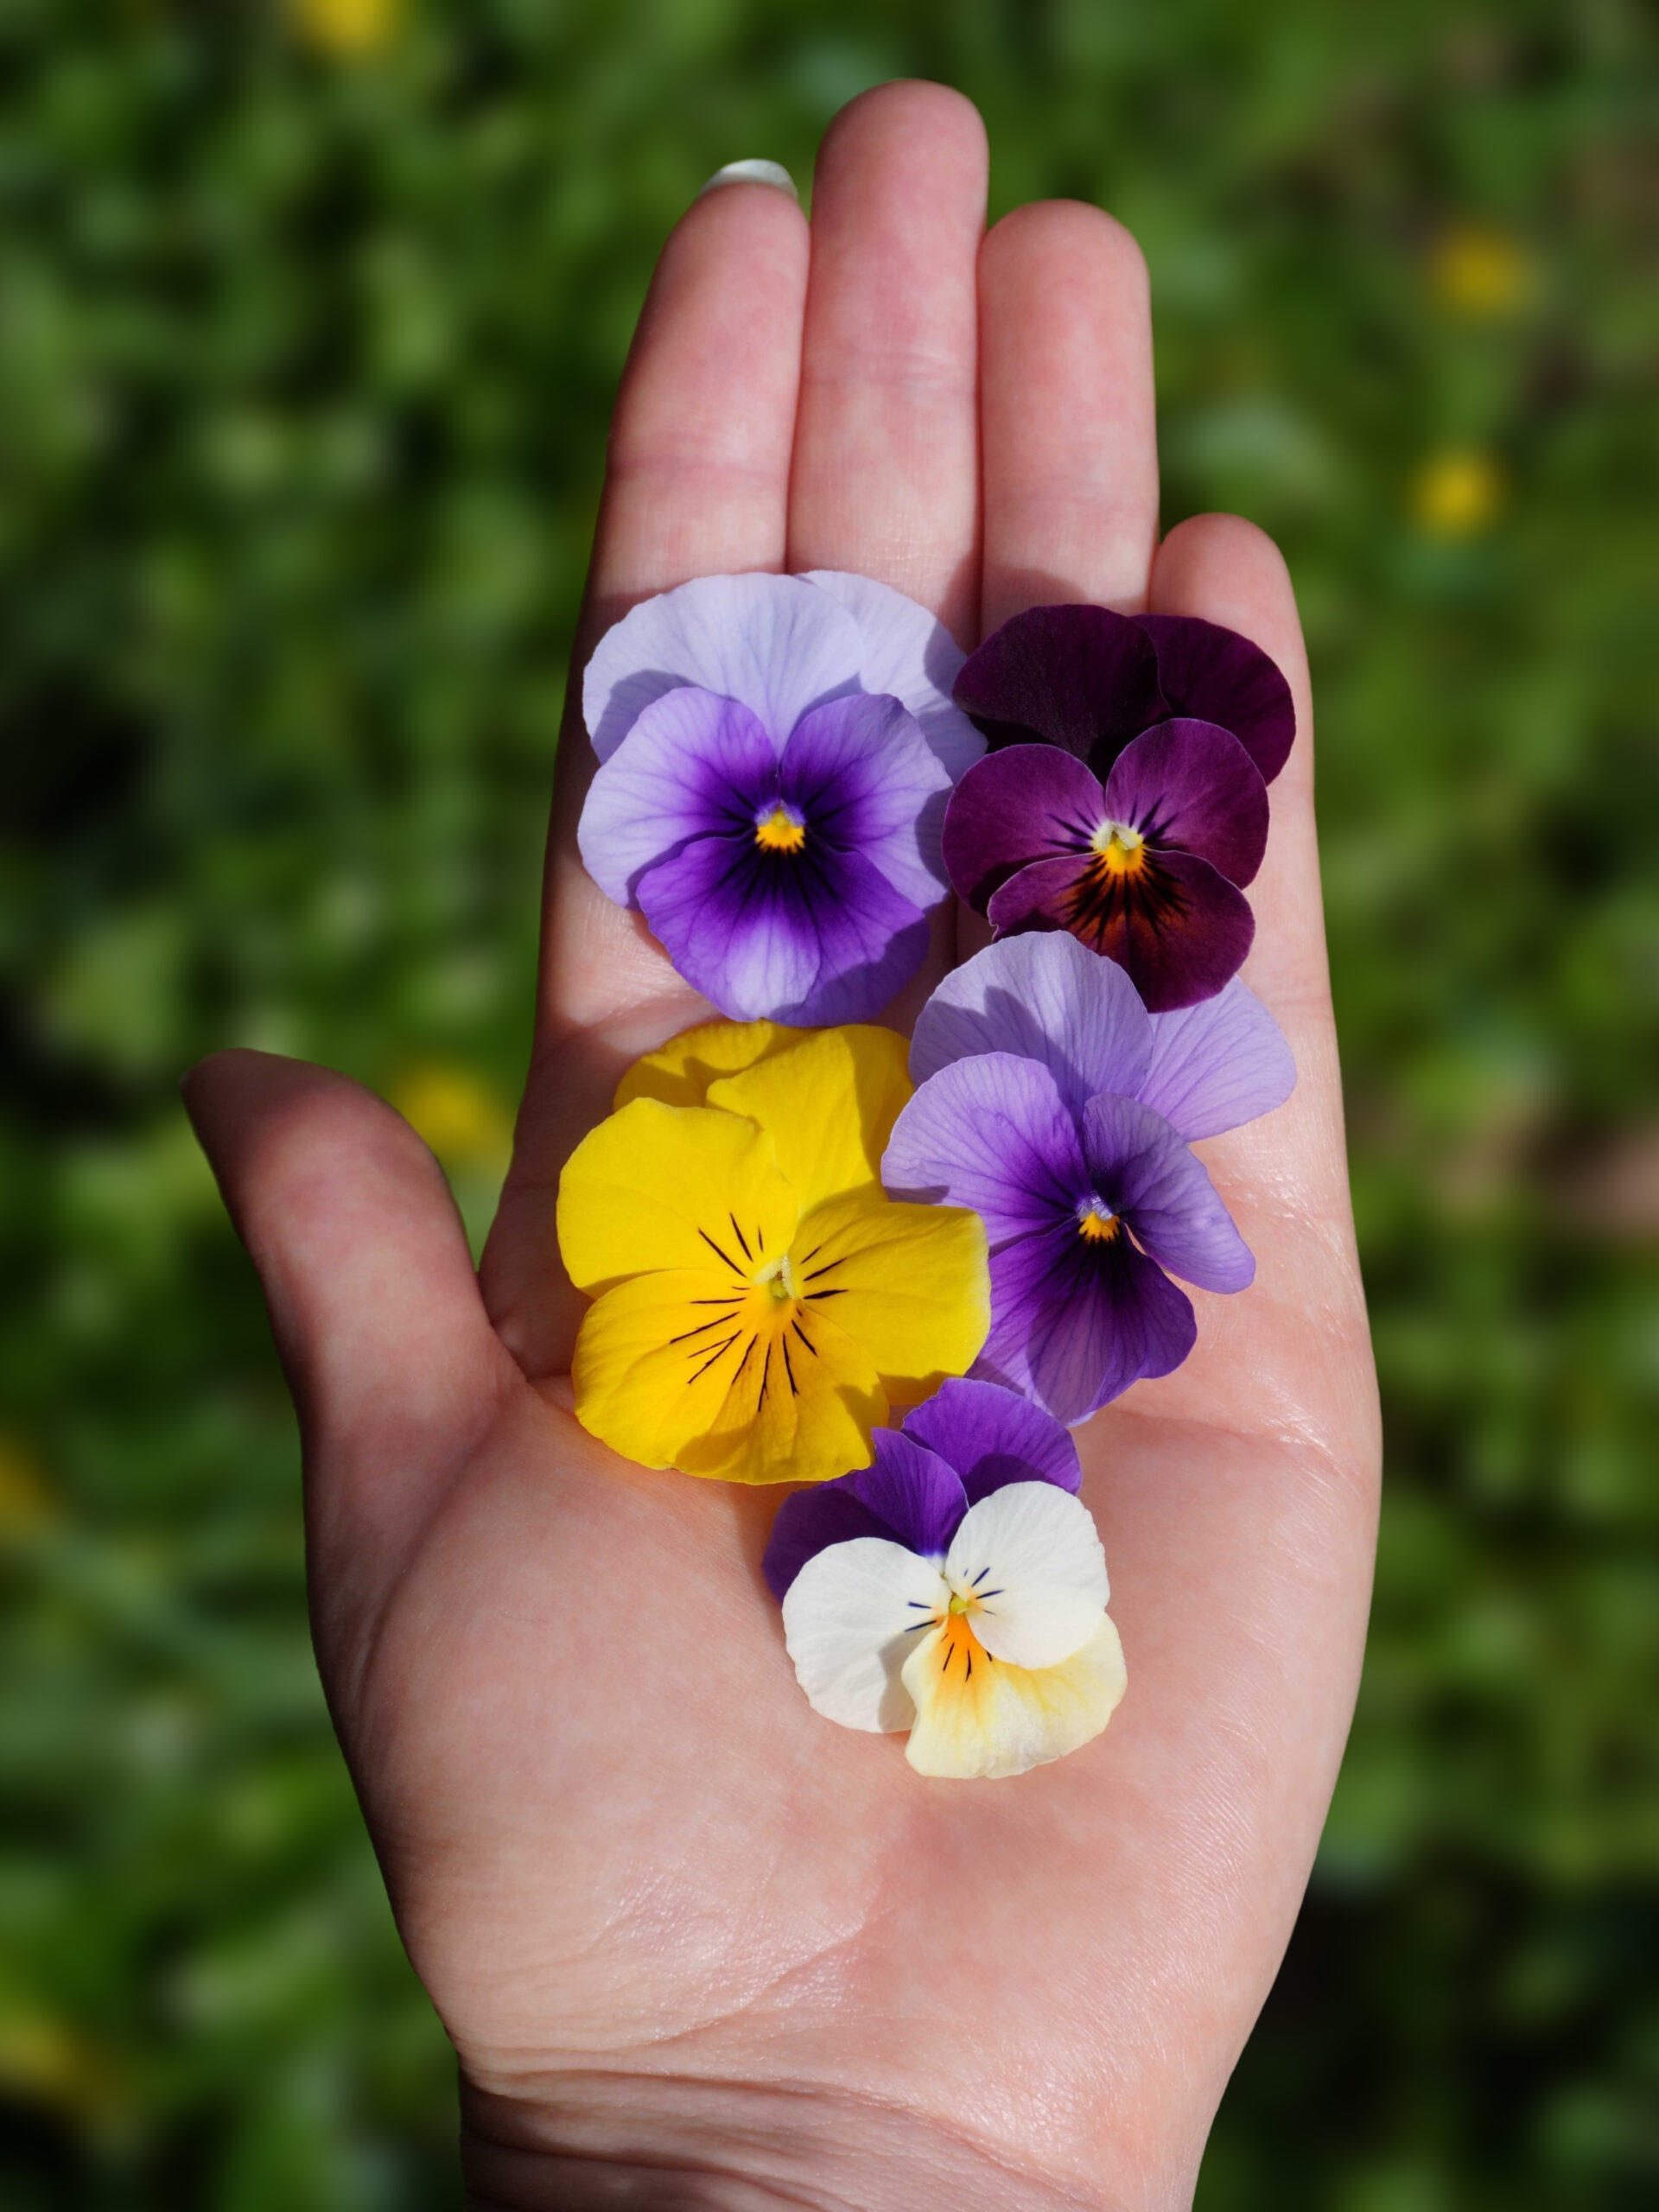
[694,1943]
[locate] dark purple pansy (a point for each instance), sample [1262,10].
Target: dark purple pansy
[1089,680]
[1050,1103]
[775,753]
[1144,869]
[969,1439]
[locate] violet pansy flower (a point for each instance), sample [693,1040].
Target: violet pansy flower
[955,1587]
[1051,1103]
[775,754]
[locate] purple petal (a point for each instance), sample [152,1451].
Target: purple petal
[993,1134]
[776,643]
[810,938]
[1214,1066]
[860,770]
[1015,807]
[1143,1170]
[1044,997]
[1217,676]
[692,766]
[808,1522]
[917,1493]
[1077,676]
[1074,1324]
[992,1438]
[1180,930]
[910,654]
[1191,786]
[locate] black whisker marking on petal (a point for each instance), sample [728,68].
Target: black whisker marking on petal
[744,1362]
[919,1605]
[718,1351]
[842,1293]
[825,1268]
[805,1339]
[794,1386]
[715,1249]
[741,1237]
[760,1242]
[969,1676]
[819,1246]
[979,1578]
[718,1322]
[766,1371]
[985,1594]
[732,1298]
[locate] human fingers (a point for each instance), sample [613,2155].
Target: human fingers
[396,1373]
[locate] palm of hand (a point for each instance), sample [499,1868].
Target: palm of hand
[674,1922]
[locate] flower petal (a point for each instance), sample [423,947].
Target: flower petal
[907,1283]
[1045,997]
[1073,1324]
[672,1187]
[860,771]
[1193,786]
[994,1133]
[1031,1557]
[828,1102]
[811,937]
[906,1495]
[809,1521]
[1015,807]
[1215,1065]
[1144,1169]
[1004,1719]
[775,643]
[910,654]
[1179,934]
[1216,675]
[681,1072]
[693,766]
[851,1619]
[1072,676]
[991,1437]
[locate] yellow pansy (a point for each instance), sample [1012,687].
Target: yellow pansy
[760,1305]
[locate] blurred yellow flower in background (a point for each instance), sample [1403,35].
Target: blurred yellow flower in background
[1457,493]
[463,1120]
[1481,273]
[346,27]
[25,1498]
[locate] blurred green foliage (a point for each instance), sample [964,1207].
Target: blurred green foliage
[305,359]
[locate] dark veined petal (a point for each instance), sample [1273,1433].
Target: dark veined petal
[692,766]
[1216,1065]
[1073,1322]
[1045,997]
[1015,807]
[993,1135]
[1216,675]
[908,652]
[810,937]
[908,1495]
[1078,676]
[1191,786]
[1178,929]
[1144,1171]
[864,777]
[992,1437]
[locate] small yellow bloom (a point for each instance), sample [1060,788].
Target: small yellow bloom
[760,1305]
[1480,273]
[346,27]
[462,1121]
[1456,494]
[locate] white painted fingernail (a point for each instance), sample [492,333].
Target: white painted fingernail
[772,173]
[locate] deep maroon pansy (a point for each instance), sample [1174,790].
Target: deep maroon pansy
[1090,680]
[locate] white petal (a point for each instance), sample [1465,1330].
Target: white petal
[773,642]
[913,656]
[1030,1554]
[852,1617]
[1003,1719]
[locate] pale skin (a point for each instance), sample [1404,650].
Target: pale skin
[695,1946]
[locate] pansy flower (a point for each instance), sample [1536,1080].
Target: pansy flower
[760,1304]
[775,754]
[955,1587]
[1126,801]
[1054,1105]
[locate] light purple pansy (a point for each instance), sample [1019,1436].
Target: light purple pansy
[1055,1106]
[1089,680]
[775,754]
[967,1440]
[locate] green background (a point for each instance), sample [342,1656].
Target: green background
[304,369]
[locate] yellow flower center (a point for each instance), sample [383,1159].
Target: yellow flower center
[782,831]
[1096,1225]
[1118,849]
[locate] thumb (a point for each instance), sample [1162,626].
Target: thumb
[396,1372]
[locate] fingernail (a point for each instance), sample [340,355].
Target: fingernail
[772,172]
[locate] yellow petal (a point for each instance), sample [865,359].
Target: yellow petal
[672,1187]
[680,1072]
[976,1717]
[910,1283]
[694,1370]
[829,1104]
